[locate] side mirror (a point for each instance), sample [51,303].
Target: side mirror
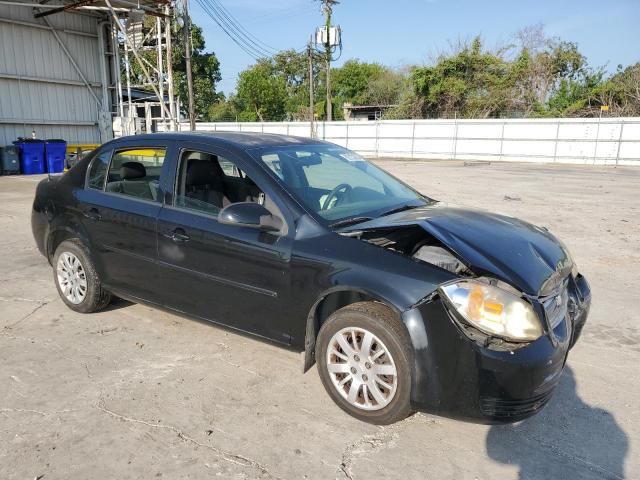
[250,214]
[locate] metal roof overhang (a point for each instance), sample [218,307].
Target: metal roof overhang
[150,7]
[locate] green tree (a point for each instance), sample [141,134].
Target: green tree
[262,93]
[471,83]
[621,92]
[350,82]
[224,110]
[205,68]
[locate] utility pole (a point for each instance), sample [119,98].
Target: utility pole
[187,58]
[168,34]
[311,96]
[327,46]
[160,66]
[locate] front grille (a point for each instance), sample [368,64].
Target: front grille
[504,409]
[556,305]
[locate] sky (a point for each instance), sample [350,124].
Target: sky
[402,32]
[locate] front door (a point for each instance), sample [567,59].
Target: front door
[228,274]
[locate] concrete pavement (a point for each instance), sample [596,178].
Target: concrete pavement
[133,392]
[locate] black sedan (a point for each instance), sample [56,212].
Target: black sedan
[405,303]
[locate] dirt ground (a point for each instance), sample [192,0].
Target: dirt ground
[133,392]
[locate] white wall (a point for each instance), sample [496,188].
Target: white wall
[609,141]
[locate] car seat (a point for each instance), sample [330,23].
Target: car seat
[130,182]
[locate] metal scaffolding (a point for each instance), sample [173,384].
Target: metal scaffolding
[135,34]
[135,48]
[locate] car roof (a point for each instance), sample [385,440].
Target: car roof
[242,140]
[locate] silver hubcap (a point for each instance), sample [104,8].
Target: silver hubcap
[362,369]
[71,278]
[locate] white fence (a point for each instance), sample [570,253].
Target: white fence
[592,141]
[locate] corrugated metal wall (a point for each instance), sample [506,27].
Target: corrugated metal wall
[39,87]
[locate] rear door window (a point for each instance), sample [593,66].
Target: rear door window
[136,172]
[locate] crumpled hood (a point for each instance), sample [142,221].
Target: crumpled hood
[523,255]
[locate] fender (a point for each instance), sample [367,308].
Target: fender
[68,226]
[404,283]
[313,323]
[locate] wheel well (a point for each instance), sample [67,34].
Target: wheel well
[323,310]
[55,239]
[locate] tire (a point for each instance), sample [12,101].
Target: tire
[386,405]
[91,297]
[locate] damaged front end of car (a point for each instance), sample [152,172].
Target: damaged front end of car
[490,345]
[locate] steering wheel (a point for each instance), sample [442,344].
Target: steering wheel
[334,194]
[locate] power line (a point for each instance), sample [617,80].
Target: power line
[242,28]
[247,48]
[249,43]
[236,30]
[233,30]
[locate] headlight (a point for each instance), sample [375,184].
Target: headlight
[493,310]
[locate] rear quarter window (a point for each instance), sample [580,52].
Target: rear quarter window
[98,170]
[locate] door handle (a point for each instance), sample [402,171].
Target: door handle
[177,235]
[92,214]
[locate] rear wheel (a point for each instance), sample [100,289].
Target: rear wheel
[76,279]
[363,358]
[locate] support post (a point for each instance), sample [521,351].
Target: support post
[160,64]
[172,114]
[127,66]
[105,121]
[619,142]
[595,150]
[413,139]
[311,96]
[116,66]
[555,147]
[455,135]
[328,61]
[187,58]
[501,141]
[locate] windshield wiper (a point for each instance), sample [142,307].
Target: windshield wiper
[399,209]
[350,221]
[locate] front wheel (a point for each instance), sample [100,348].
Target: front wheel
[76,278]
[363,356]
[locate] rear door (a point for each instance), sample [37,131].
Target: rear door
[119,207]
[233,275]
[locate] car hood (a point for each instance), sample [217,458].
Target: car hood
[524,255]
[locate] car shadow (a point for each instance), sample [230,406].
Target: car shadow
[567,439]
[116,304]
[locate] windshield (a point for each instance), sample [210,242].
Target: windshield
[336,183]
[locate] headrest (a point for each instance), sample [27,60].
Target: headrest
[132,171]
[201,172]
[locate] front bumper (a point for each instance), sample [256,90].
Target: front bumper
[461,375]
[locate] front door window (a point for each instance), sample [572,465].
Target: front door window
[208,183]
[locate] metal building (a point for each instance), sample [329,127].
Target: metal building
[59,71]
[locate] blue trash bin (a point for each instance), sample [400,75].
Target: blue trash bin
[55,152]
[31,156]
